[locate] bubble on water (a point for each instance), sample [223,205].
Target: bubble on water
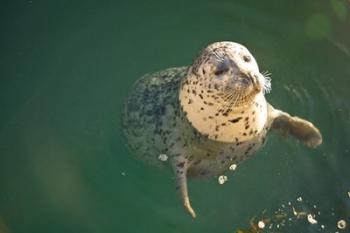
[349,194]
[163,157]
[123,173]
[261,224]
[341,224]
[299,214]
[292,214]
[233,167]
[222,179]
[311,219]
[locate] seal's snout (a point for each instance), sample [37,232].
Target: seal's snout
[247,80]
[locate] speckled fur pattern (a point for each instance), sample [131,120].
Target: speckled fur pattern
[152,113]
[154,124]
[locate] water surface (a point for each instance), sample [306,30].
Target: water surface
[67,66]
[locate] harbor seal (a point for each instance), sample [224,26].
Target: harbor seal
[207,116]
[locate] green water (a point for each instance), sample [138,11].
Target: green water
[66,67]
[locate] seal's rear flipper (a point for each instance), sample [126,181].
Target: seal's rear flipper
[302,129]
[180,166]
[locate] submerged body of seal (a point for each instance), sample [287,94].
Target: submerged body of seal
[207,116]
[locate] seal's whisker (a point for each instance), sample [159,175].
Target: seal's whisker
[226,98]
[215,53]
[239,96]
[266,73]
[229,105]
[267,81]
[234,100]
[230,99]
[218,57]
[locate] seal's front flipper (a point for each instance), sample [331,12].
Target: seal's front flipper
[302,129]
[180,166]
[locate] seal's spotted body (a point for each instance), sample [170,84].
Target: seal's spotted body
[156,124]
[152,114]
[207,116]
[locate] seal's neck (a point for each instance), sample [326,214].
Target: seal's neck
[210,115]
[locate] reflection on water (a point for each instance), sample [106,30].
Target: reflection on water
[66,68]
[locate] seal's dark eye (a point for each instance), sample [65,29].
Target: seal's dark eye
[222,68]
[220,71]
[247,58]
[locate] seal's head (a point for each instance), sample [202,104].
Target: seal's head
[224,79]
[231,71]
